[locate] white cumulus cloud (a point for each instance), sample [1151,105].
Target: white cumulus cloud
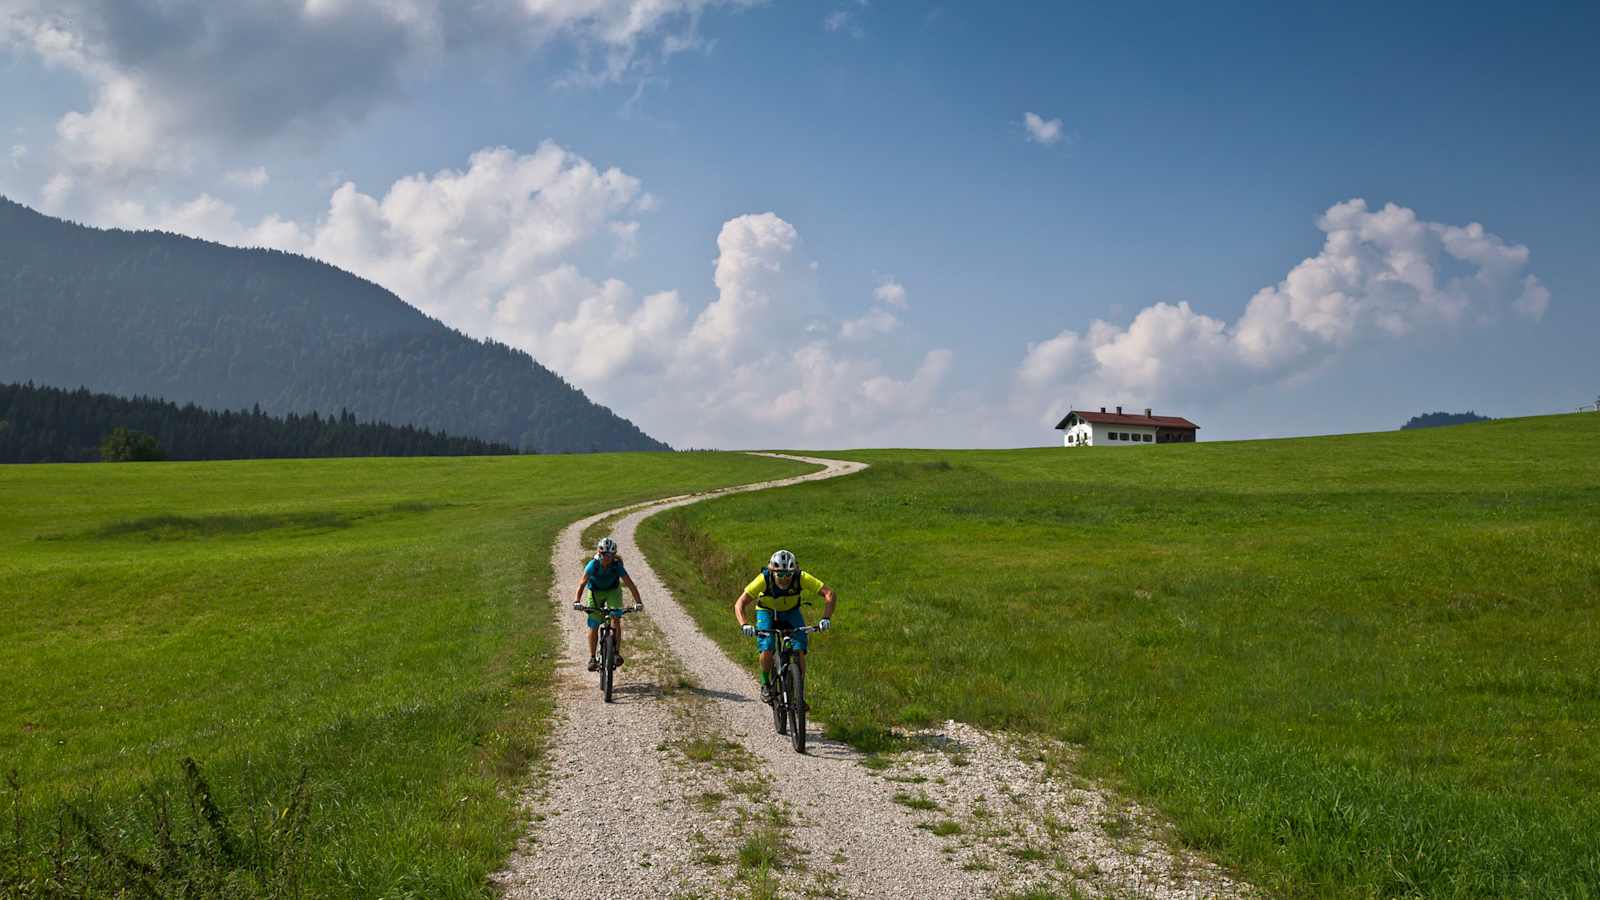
[489,250]
[1042,130]
[877,321]
[1381,274]
[890,295]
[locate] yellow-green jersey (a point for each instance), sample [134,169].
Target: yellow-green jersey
[769,595]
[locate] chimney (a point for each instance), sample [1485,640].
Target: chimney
[1102,409]
[1119,410]
[1147,413]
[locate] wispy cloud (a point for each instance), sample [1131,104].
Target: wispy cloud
[844,20]
[254,178]
[1042,130]
[891,292]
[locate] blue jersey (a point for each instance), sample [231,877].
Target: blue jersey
[604,578]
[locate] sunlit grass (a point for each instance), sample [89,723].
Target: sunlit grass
[1351,665]
[380,624]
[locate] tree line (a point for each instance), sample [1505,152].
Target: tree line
[1436,419]
[47,424]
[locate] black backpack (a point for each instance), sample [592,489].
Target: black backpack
[795,588]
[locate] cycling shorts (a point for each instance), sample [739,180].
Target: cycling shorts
[611,598]
[792,617]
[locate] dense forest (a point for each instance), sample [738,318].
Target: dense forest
[156,314]
[44,424]
[1435,419]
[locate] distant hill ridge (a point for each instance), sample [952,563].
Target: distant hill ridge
[45,424]
[1435,419]
[158,314]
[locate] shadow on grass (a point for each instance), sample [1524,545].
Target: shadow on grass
[184,528]
[172,527]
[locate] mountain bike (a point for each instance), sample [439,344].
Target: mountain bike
[606,647]
[789,693]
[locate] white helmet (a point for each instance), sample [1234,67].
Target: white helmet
[783,561]
[606,545]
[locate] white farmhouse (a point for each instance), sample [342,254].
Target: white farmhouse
[1116,429]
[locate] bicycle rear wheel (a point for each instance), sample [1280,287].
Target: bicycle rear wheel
[797,708]
[608,661]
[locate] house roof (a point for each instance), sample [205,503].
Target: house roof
[1100,418]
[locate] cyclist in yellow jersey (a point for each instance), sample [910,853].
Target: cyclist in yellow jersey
[776,593]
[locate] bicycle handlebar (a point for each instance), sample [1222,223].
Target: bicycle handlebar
[620,610]
[806,629]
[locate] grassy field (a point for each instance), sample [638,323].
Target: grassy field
[378,624]
[1346,666]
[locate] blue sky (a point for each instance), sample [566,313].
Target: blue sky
[848,234]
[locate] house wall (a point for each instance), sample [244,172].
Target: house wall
[1102,435]
[1076,435]
[1085,434]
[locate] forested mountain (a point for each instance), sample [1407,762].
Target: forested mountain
[150,313]
[1435,419]
[45,424]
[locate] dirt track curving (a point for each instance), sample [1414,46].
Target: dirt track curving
[680,787]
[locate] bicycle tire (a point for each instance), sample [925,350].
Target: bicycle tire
[608,657]
[780,715]
[797,708]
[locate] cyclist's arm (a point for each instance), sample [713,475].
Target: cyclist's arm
[740,605]
[812,584]
[629,582]
[583,581]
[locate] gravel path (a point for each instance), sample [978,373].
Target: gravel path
[681,788]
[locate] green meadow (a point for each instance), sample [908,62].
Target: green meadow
[1363,665]
[355,654]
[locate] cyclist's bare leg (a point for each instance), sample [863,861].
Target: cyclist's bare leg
[616,625]
[800,660]
[594,640]
[767,664]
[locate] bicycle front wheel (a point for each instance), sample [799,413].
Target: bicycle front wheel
[797,708]
[608,662]
[780,715]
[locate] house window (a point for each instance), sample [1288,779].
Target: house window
[1148,438]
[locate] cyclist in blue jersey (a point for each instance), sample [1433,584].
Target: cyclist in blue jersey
[603,578]
[776,592]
